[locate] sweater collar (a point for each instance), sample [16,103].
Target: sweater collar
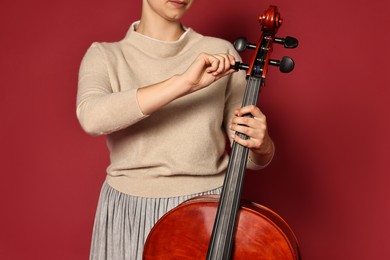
[158,48]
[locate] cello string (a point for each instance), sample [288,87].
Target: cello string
[230,199]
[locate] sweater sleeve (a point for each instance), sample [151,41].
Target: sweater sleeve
[99,109]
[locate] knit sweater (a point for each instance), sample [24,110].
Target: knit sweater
[177,150]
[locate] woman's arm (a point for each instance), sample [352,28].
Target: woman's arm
[203,71]
[100,111]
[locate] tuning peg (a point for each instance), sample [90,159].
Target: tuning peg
[285,65]
[239,66]
[241,43]
[288,42]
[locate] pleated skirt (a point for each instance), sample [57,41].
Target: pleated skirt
[123,222]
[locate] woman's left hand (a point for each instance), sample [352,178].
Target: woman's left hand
[255,128]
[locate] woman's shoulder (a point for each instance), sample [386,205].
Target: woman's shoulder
[213,40]
[216,43]
[105,46]
[104,50]
[101,52]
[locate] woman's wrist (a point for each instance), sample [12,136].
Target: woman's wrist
[263,156]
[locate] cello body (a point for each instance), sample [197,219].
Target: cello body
[184,233]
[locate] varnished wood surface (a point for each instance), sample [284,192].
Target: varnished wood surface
[184,233]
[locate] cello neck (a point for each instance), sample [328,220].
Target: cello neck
[222,237]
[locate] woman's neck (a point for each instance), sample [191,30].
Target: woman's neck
[159,27]
[162,30]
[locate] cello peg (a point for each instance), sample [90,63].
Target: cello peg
[241,43]
[288,42]
[285,65]
[239,66]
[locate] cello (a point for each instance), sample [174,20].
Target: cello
[226,227]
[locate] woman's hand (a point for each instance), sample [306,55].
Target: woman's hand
[255,128]
[206,69]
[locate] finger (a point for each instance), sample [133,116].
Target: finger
[232,59]
[226,61]
[248,114]
[213,64]
[257,116]
[251,109]
[250,143]
[229,61]
[253,129]
[255,123]
[243,129]
[224,64]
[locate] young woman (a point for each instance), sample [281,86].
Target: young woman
[165,97]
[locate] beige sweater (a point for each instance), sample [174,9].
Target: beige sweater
[177,150]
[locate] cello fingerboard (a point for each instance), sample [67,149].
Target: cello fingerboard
[222,237]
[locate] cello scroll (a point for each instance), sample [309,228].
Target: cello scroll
[270,22]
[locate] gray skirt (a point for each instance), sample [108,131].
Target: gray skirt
[123,222]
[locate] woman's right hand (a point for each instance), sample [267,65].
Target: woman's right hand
[206,69]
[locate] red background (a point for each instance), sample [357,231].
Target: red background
[328,118]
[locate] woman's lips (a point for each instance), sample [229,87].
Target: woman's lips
[178,4]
